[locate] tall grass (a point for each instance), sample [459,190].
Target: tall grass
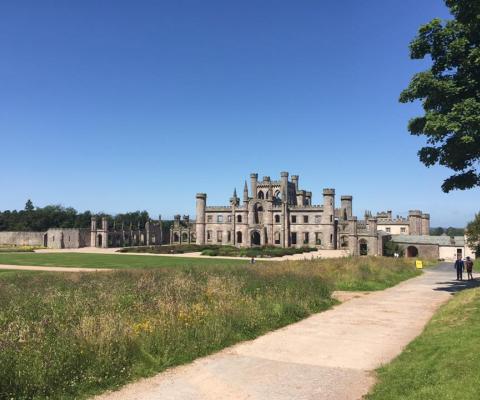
[72,335]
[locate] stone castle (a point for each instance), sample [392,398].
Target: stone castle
[279,213]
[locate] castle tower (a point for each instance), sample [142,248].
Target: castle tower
[415,222]
[253,184]
[284,186]
[201,205]
[346,207]
[328,218]
[352,238]
[285,218]
[426,224]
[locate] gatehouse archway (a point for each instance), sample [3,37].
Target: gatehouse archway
[412,251]
[256,238]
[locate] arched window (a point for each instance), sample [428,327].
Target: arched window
[258,213]
[277,219]
[239,237]
[184,237]
[239,218]
[260,195]
[175,237]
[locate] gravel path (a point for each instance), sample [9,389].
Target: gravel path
[329,356]
[53,269]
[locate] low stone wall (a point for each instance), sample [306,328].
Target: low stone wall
[22,238]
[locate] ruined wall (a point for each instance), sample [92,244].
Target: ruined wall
[22,238]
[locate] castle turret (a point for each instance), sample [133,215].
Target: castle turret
[245,193]
[308,198]
[346,207]
[284,185]
[200,221]
[426,224]
[415,222]
[253,184]
[295,181]
[328,217]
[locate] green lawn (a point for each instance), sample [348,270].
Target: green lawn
[110,260]
[443,363]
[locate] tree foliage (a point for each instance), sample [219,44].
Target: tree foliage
[56,216]
[450,231]
[473,233]
[450,93]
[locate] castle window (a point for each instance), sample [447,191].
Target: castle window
[229,218]
[229,236]
[239,237]
[294,237]
[305,238]
[220,218]
[277,219]
[403,230]
[209,236]
[294,219]
[184,237]
[209,218]
[388,230]
[219,236]
[239,219]
[318,238]
[305,219]
[331,218]
[331,238]
[277,237]
[175,237]
[318,219]
[260,195]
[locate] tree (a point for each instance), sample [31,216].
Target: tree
[29,206]
[473,233]
[450,94]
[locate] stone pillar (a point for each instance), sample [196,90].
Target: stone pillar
[105,232]
[200,225]
[147,233]
[93,232]
[295,182]
[352,238]
[328,218]
[284,186]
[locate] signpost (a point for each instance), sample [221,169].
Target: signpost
[419,264]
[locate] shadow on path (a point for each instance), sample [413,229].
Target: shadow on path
[455,286]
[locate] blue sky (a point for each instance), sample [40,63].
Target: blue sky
[124,105]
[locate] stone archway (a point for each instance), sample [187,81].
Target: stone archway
[412,251]
[255,238]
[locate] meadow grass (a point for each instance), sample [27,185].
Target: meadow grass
[442,363]
[70,335]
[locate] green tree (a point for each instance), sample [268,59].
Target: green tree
[473,233]
[450,93]
[29,206]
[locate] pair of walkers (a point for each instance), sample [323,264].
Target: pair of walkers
[461,265]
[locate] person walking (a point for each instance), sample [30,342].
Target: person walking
[460,267]
[469,266]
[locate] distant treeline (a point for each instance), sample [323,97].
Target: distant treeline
[40,219]
[450,231]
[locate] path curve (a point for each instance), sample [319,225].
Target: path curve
[328,356]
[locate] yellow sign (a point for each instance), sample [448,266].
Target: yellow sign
[419,264]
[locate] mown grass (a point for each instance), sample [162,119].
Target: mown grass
[443,362]
[86,260]
[70,335]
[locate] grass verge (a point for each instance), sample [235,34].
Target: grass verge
[442,363]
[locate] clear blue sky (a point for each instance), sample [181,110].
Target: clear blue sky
[124,105]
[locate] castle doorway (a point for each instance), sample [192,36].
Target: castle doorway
[45,240]
[99,240]
[255,238]
[412,251]
[363,247]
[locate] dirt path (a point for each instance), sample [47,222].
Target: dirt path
[329,356]
[53,269]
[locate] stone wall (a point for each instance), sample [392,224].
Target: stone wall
[63,238]
[22,238]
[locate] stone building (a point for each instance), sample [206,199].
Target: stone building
[279,213]
[417,223]
[99,235]
[182,231]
